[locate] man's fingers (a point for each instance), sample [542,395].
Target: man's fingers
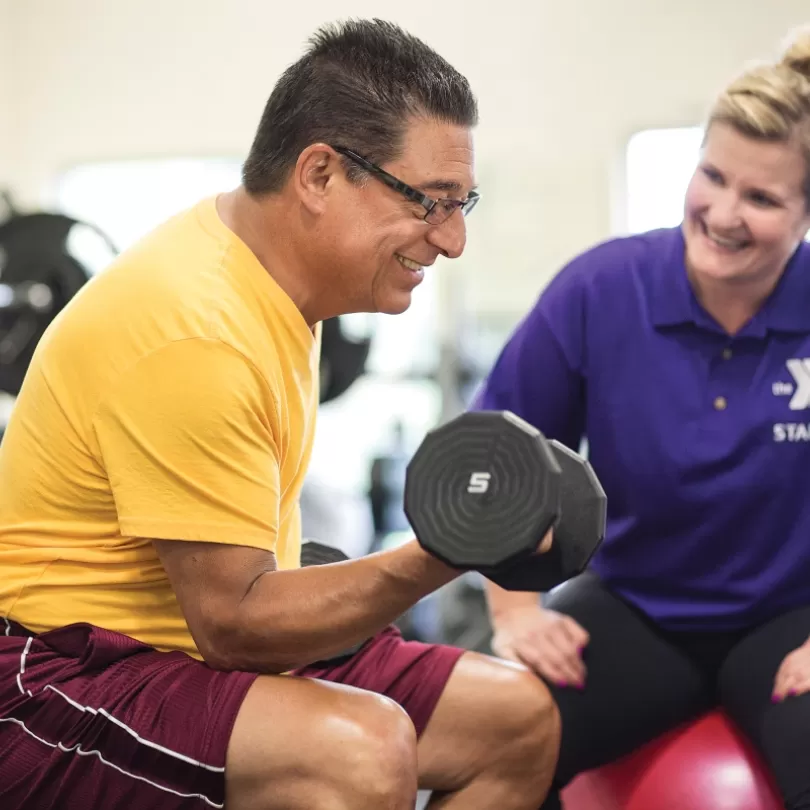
[545,543]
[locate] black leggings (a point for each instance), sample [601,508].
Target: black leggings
[643,681]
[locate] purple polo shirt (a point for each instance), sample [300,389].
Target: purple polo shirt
[701,440]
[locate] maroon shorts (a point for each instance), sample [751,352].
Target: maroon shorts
[91,719]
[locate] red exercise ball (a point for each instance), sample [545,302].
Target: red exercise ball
[703,765]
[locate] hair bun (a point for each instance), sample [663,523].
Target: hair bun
[796,55]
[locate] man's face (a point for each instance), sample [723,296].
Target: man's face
[382,243]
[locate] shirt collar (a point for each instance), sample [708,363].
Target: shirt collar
[788,308]
[672,301]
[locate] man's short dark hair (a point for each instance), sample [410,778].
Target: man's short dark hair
[357,86]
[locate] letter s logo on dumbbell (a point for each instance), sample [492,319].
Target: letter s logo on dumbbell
[479,483]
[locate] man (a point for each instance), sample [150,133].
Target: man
[150,585]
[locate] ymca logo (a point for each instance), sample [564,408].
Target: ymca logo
[799,393]
[799,390]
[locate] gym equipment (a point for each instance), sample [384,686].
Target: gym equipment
[578,533]
[482,490]
[703,765]
[343,359]
[387,485]
[315,553]
[39,274]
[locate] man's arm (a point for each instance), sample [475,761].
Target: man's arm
[244,614]
[190,443]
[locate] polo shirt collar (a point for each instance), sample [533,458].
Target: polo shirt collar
[788,308]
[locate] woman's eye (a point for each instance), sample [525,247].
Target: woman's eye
[713,175]
[762,200]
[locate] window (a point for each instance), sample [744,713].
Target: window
[127,198]
[660,163]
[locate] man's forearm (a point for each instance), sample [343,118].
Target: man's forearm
[292,618]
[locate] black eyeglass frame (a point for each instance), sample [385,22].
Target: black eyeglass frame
[437,211]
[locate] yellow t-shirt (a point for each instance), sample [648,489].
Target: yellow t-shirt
[173,398]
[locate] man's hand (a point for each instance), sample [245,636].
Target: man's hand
[545,543]
[793,676]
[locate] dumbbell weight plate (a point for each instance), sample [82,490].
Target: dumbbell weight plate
[583,508]
[577,535]
[315,553]
[482,490]
[39,274]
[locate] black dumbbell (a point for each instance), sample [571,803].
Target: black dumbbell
[483,490]
[315,553]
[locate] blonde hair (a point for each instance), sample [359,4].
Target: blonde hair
[772,101]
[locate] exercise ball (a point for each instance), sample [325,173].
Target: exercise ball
[706,764]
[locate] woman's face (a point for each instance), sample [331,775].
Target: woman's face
[745,211]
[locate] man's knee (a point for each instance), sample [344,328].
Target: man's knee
[339,748]
[374,756]
[530,718]
[517,720]
[381,759]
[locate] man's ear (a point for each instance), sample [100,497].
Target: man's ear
[314,176]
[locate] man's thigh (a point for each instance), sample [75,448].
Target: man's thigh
[466,707]
[95,720]
[411,673]
[91,719]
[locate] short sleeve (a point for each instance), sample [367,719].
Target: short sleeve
[189,440]
[538,374]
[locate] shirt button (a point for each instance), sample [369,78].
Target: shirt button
[727,354]
[720,403]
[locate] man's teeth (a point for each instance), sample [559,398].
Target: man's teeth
[411,265]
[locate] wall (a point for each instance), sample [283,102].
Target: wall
[8,150]
[561,85]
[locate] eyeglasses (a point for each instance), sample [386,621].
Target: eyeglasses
[436,211]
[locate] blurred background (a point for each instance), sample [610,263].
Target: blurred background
[118,114]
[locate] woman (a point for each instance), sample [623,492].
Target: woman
[683,357]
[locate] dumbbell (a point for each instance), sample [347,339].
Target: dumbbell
[483,490]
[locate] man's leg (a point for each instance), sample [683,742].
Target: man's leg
[639,684]
[492,740]
[94,720]
[488,730]
[299,743]
[781,731]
